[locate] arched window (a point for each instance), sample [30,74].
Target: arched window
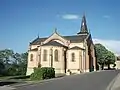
[45,55]
[31,57]
[56,55]
[73,57]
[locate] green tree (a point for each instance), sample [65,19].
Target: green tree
[23,63]
[109,59]
[20,63]
[2,66]
[104,56]
[12,63]
[7,55]
[100,54]
[5,60]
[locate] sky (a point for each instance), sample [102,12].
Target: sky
[21,21]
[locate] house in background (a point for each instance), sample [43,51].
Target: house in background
[74,54]
[117,63]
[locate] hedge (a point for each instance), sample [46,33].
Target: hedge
[43,73]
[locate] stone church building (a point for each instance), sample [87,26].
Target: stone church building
[67,54]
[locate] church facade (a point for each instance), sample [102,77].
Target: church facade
[67,54]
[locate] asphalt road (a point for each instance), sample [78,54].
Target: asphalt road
[88,81]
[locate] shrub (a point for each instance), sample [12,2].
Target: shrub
[43,73]
[48,72]
[37,75]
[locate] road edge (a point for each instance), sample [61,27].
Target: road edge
[111,84]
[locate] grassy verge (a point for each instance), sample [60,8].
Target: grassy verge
[9,80]
[21,77]
[18,80]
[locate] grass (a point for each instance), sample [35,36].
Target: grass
[5,77]
[16,80]
[20,77]
[23,78]
[8,80]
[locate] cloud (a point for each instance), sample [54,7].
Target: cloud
[106,16]
[112,45]
[70,16]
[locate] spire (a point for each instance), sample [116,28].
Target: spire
[83,29]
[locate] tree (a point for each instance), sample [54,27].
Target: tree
[104,56]
[109,59]
[2,66]
[5,60]
[100,54]
[17,58]
[23,63]
[12,63]
[7,55]
[20,63]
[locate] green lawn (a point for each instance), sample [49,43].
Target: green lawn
[21,77]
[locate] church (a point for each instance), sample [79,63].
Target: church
[72,54]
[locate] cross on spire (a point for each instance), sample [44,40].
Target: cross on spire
[38,35]
[55,30]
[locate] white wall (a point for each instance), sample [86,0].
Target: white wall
[32,64]
[76,44]
[58,65]
[117,64]
[33,46]
[74,66]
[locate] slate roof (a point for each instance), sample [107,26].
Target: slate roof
[37,41]
[53,43]
[73,39]
[76,48]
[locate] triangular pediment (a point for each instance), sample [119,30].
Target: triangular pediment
[56,37]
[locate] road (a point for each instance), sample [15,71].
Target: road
[88,81]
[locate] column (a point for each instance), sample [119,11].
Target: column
[39,57]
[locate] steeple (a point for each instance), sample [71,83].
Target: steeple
[83,29]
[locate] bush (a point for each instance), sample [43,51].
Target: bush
[48,73]
[37,75]
[43,73]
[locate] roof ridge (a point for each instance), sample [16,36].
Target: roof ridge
[72,38]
